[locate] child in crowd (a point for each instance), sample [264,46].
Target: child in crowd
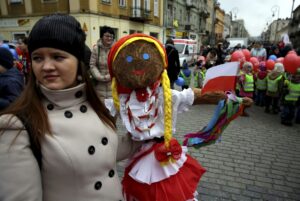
[11,80]
[275,82]
[246,81]
[261,85]
[291,100]
[199,72]
[186,74]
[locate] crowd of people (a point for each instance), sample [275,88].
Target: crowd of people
[275,89]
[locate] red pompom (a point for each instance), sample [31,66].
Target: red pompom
[142,94]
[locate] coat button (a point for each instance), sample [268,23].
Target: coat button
[68,114]
[111,173]
[98,185]
[91,150]
[78,94]
[83,109]
[104,141]
[50,107]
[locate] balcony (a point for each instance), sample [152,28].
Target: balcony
[204,14]
[190,4]
[189,27]
[140,14]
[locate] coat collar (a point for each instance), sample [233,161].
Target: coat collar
[66,97]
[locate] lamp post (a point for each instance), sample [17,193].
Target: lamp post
[275,9]
[268,22]
[292,9]
[234,11]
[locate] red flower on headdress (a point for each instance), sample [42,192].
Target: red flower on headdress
[142,94]
[164,154]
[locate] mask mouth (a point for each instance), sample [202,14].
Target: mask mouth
[138,72]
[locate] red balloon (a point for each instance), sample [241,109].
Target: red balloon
[238,56]
[280,60]
[291,63]
[247,54]
[270,64]
[255,63]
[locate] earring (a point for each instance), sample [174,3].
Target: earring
[79,78]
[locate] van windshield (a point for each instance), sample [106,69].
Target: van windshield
[179,48]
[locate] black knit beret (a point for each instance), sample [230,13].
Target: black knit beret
[6,58]
[58,31]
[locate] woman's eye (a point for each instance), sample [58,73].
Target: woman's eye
[37,58]
[146,56]
[59,58]
[129,59]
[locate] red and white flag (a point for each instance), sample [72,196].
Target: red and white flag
[221,77]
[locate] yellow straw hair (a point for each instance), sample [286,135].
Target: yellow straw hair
[115,94]
[167,107]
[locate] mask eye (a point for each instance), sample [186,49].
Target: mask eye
[146,56]
[129,59]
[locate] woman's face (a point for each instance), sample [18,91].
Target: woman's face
[107,39]
[55,69]
[22,46]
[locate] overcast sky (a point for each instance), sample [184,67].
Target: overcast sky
[256,13]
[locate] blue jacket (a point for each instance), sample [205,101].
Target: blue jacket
[11,86]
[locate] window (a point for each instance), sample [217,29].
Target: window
[15,1]
[154,34]
[131,31]
[180,15]
[49,1]
[122,3]
[17,35]
[106,1]
[155,10]
[147,5]
[136,8]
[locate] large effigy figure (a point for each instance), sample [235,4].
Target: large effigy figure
[161,170]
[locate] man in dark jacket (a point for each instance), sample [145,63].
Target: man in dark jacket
[11,80]
[173,62]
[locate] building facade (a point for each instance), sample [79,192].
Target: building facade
[294,29]
[227,26]
[238,29]
[186,19]
[124,16]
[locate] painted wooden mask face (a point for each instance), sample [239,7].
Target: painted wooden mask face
[138,65]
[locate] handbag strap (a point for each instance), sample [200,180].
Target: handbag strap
[35,146]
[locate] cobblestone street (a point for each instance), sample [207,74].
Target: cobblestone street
[257,159]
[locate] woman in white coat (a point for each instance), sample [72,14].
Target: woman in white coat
[58,141]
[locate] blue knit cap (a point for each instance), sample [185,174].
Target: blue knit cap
[6,58]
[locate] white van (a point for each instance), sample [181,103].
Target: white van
[187,49]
